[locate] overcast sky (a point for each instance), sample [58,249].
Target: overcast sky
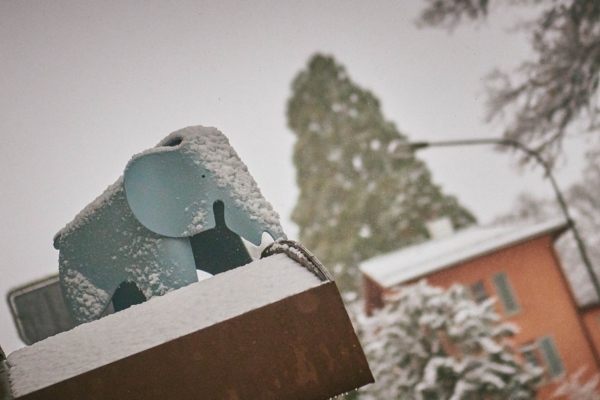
[85,85]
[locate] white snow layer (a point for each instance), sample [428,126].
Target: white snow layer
[423,259]
[159,320]
[212,150]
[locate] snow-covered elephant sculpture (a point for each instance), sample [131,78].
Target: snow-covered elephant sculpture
[179,206]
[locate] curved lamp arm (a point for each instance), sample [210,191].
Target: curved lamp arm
[412,147]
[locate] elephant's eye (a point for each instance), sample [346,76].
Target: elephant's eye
[173,142]
[204,176]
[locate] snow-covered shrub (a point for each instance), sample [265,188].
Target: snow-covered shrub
[431,343]
[572,388]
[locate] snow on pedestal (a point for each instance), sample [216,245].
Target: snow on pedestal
[157,321]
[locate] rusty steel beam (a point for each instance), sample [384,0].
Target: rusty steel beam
[302,347]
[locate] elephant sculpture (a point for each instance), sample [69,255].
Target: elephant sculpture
[178,207]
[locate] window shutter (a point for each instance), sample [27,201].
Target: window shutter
[506,293]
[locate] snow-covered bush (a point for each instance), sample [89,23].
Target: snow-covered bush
[431,343]
[574,389]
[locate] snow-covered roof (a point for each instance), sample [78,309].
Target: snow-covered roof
[159,320]
[434,255]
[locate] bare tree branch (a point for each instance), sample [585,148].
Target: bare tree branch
[546,96]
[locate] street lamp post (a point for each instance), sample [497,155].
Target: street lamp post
[415,146]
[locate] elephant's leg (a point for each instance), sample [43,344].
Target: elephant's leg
[219,249]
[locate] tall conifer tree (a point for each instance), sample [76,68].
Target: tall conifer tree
[356,199]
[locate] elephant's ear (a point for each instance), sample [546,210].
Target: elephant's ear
[166,192]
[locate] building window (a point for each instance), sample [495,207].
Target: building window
[506,293]
[478,292]
[530,353]
[543,353]
[551,356]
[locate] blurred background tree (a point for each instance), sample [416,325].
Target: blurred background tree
[357,199]
[556,91]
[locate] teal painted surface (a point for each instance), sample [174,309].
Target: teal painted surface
[110,247]
[172,188]
[168,190]
[156,224]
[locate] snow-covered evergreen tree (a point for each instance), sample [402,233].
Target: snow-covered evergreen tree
[356,199]
[431,343]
